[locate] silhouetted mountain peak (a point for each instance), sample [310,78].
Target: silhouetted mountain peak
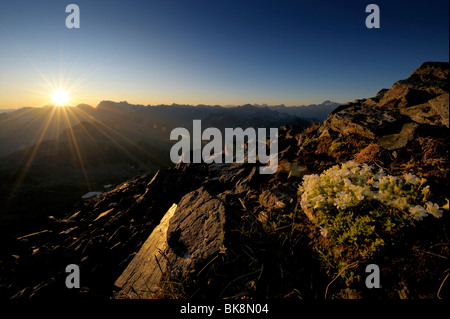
[329,103]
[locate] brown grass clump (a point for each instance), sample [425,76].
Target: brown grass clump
[323,145]
[427,157]
[368,155]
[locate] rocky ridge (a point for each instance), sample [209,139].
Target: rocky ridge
[223,230]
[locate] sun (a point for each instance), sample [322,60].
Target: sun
[60,98]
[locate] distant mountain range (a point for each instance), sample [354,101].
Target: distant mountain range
[50,156]
[7,110]
[313,112]
[27,126]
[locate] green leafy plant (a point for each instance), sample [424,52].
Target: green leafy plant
[360,210]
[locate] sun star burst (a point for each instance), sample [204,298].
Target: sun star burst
[60,98]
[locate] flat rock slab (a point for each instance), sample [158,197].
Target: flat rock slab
[196,231]
[396,141]
[143,274]
[188,236]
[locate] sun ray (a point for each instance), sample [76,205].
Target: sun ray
[63,80]
[99,126]
[16,115]
[30,159]
[113,140]
[77,150]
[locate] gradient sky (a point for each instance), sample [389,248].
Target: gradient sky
[214,51]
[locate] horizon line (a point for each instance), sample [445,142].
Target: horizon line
[179,104]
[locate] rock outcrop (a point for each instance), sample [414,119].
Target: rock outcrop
[189,235]
[224,228]
[143,274]
[428,81]
[394,115]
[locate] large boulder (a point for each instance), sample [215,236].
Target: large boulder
[432,112]
[440,106]
[197,229]
[189,235]
[425,83]
[392,117]
[144,272]
[364,120]
[399,140]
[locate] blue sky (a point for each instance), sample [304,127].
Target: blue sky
[214,52]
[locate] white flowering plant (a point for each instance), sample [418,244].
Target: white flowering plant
[360,209]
